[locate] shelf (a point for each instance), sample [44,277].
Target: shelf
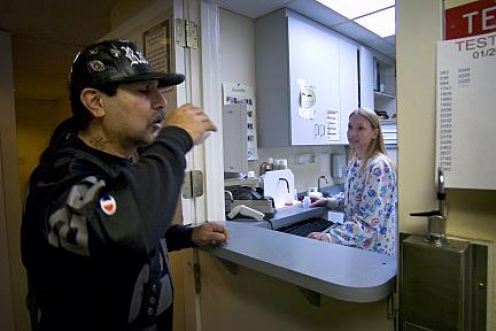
[384,95]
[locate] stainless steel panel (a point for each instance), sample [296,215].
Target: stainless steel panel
[443,288]
[433,284]
[478,288]
[234,123]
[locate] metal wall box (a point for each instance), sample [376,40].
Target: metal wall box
[440,286]
[234,123]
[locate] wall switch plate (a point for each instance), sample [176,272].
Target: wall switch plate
[305,158]
[338,162]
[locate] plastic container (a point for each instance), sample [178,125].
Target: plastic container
[306,202]
[314,195]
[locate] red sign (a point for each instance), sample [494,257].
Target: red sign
[477,17]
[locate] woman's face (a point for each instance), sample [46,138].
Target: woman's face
[360,134]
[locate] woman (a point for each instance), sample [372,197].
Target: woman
[370,194]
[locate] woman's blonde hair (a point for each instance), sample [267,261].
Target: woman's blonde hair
[377,145]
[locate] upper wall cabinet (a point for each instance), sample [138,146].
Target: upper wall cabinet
[378,83]
[306,81]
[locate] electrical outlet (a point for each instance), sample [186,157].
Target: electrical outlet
[305,158]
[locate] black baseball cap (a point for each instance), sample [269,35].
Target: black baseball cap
[116,61]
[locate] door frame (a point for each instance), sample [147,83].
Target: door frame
[202,87]
[10,206]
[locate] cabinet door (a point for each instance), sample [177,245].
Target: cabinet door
[313,69]
[348,84]
[366,78]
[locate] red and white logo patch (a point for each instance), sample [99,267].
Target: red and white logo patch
[108,205]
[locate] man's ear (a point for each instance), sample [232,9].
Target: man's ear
[92,99]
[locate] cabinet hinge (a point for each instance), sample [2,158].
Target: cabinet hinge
[193,184]
[392,311]
[197,276]
[187,33]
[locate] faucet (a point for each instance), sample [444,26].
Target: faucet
[436,219]
[286,181]
[441,194]
[229,194]
[318,182]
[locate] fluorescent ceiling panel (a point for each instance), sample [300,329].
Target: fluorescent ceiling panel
[381,23]
[356,8]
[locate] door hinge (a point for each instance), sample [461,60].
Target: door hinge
[187,33]
[197,276]
[193,184]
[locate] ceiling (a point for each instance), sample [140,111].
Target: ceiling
[317,12]
[47,34]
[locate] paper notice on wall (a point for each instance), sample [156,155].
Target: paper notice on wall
[235,93]
[466,77]
[157,46]
[332,125]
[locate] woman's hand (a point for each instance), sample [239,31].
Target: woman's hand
[322,236]
[319,202]
[325,202]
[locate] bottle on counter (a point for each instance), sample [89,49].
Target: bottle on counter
[280,164]
[314,194]
[306,202]
[266,166]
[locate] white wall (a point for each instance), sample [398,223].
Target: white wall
[237,58]
[237,48]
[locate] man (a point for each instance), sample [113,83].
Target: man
[97,223]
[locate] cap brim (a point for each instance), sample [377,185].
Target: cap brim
[164,80]
[170,80]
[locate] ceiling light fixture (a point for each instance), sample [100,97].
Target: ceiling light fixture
[381,23]
[377,16]
[355,8]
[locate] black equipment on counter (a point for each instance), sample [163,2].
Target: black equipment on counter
[250,197]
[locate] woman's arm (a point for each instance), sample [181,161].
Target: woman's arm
[371,216]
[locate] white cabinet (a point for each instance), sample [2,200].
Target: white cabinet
[306,81]
[366,78]
[389,132]
[378,83]
[384,87]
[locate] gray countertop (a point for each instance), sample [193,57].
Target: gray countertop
[340,272]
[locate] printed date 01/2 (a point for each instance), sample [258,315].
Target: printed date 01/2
[484,53]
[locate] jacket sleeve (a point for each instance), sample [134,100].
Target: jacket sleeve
[130,210]
[178,237]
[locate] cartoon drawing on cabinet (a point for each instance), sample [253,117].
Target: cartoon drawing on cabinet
[307,100]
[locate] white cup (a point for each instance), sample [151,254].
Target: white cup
[314,196]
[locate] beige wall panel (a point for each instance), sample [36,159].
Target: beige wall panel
[471,214]
[253,301]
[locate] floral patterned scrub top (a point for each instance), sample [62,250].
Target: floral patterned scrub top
[369,205]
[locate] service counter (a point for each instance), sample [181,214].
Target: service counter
[319,268]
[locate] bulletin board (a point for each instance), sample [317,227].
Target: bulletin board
[466,111]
